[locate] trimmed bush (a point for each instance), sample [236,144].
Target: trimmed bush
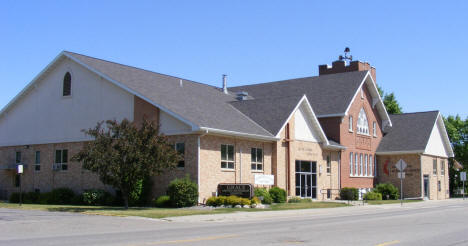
[295,200]
[45,198]
[373,196]
[387,189]
[211,201]
[255,200]
[245,201]
[278,195]
[233,200]
[162,202]
[31,197]
[348,193]
[14,197]
[262,192]
[61,196]
[97,197]
[183,192]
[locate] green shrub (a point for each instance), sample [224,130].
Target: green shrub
[263,193]
[45,198]
[348,193]
[255,200]
[295,200]
[97,197]
[233,200]
[221,200]
[162,202]
[211,201]
[278,195]
[14,197]
[387,189]
[61,196]
[183,192]
[31,197]
[306,200]
[245,201]
[373,196]
[78,200]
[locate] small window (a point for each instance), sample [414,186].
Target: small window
[350,127]
[439,186]
[227,156]
[371,165]
[374,128]
[37,162]
[328,164]
[61,159]
[180,148]
[360,165]
[67,85]
[18,157]
[328,193]
[356,164]
[256,156]
[351,164]
[434,167]
[442,167]
[366,166]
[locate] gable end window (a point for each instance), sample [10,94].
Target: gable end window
[61,159]
[350,126]
[66,85]
[362,124]
[227,156]
[256,156]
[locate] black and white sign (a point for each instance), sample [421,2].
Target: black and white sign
[240,190]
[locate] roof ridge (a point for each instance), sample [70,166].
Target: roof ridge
[421,112]
[308,77]
[299,96]
[143,69]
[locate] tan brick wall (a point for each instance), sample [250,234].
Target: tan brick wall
[211,173]
[387,173]
[46,179]
[427,169]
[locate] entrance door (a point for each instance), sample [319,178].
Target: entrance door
[306,179]
[426,186]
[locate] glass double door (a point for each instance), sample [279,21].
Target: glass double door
[306,179]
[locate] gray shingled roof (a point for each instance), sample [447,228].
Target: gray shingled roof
[327,94]
[203,105]
[410,132]
[271,113]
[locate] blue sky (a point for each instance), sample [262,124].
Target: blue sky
[419,48]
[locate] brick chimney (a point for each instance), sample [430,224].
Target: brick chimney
[341,67]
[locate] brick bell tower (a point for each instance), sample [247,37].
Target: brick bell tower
[346,64]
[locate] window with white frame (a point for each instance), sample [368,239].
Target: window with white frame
[442,167]
[328,164]
[374,129]
[350,124]
[360,165]
[371,166]
[227,156]
[362,124]
[351,164]
[256,156]
[61,159]
[356,164]
[434,167]
[366,166]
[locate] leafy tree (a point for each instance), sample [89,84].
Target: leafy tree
[390,102]
[457,130]
[123,154]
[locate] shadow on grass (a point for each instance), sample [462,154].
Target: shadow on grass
[81,209]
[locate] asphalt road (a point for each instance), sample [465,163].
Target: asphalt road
[423,223]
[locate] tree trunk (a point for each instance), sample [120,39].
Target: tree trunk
[125,198]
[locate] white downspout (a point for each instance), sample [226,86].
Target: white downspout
[198,167]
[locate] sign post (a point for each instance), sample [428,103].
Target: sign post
[401,165]
[463,179]
[20,171]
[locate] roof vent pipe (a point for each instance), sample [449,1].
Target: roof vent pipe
[225,84]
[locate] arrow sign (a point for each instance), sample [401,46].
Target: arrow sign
[401,165]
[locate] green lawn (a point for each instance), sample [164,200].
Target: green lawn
[390,202]
[163,212]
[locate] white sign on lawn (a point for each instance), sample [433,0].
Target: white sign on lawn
[463,176]
[263,179]
[20,168]
[401,165]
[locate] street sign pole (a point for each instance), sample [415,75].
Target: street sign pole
[463,179]
[463,190]
[401,189]
[21,193]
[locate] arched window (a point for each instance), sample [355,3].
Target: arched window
[362,124]
[67,84]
